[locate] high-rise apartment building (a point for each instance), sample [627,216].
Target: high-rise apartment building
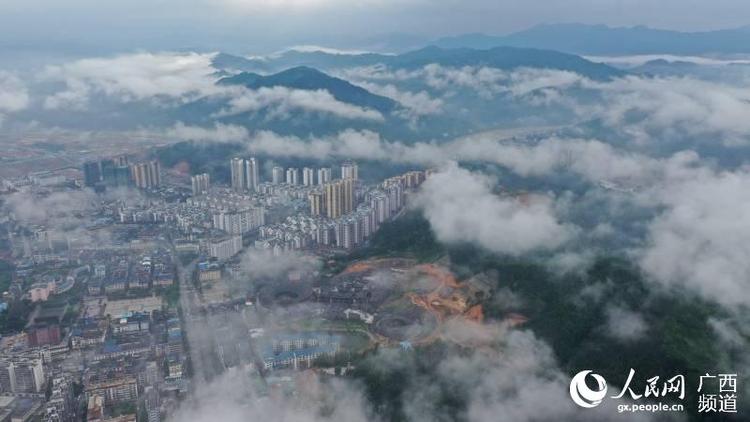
[317,203]
[123,176]
[225,248]
[237,169]
[139,174]
[308,176]
[200,183]
[348,202]
[324,175]
[333,196]
[245,174]
[92,173]
[292,176]
[240,222]
[339,198]
[277,175]
[121,161]
[349,170]
[115,173]
[21,375]
[252,174]
[146,175]
[108,171]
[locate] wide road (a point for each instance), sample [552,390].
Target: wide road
[194,326]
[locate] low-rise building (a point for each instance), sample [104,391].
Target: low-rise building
[114,390]
[21,408]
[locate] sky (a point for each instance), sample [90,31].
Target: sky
[245,26]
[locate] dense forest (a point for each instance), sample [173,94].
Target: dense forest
[565,310]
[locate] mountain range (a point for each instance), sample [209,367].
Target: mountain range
[605,40]
[307,78]
[505,58]
[458,112]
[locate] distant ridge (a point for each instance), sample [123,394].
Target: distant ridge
[306,78]
[605,40]
[499,57]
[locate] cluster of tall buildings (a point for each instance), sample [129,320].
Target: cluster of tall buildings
[200,183]
[336,219]
[346,231]
[109,173]
[334,200]
[245,174]
[337,197]
[409,180]
[118,172]
[146,175]
[309,176]
[342,214]
[379,206]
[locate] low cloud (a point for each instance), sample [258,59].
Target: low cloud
[233,396]
[178,78]
[624,324]
[485,81]
[417,104]
[592,159]
[65,215]
[348,143]
[14,95]
[282,100]
[218,133]
[641,59]
[642,108]
[702,239]
[488,81]
[133,77]
[509,372]
[515,376]
[647,108]
[263,264]
[58,210]
[462,207]
[328,50]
